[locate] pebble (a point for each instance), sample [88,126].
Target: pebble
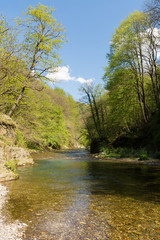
[9,231]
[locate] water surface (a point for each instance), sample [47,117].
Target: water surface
[69,195]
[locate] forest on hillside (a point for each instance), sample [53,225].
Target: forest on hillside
[125,113]
[45,117]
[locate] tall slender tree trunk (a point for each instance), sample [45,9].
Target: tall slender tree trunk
[17,102]
[140,99]
[92,106]
[97,114]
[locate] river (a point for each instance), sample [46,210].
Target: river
[69,195]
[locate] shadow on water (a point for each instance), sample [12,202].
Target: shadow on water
[71,195]
[140,182]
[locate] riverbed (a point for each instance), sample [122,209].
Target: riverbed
[70,195]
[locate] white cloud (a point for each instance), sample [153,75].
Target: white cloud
[63,74]
[86,81]
[60,74]
[155,33]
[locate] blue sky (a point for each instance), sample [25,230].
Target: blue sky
[89,27]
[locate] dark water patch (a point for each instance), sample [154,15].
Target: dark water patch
[138,181]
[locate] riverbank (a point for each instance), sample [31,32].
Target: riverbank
[10,158]
[9,231]
[150,161]
[12,153]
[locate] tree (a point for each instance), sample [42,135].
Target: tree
[8,46]
[153,36]
[133,49]
[41,120]
[95,122]
[11,67]
[71,113]
[152,7]
[42,37]
[124,112]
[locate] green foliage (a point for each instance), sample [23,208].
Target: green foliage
[42,37]
[51,118]
[94,110]
[111,152]
[41,28]
[32,56]
[60,91]
[33,145]
[143,156]
[45,117]
[125,115]
[130,78]
[20,141]
[11,165]
[45,122]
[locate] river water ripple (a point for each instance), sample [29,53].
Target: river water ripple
[68,195]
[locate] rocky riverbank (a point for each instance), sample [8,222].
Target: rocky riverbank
[11,154]
[10,158]
[9,231]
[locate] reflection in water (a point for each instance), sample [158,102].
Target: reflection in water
[140,182]
[70,195]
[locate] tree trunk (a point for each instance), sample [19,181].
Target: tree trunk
[17,102]
[89,95]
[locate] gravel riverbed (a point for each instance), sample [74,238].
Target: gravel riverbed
[9,231]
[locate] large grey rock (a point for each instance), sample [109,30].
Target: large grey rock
[20,155]
[7,175]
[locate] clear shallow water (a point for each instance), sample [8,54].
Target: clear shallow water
[70,195]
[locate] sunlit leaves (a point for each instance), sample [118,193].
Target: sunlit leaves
[42,36]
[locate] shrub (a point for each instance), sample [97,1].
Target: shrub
[11,165]
[141,153]
[143,156]
[20,141]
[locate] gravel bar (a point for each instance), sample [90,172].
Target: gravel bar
[9,231]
